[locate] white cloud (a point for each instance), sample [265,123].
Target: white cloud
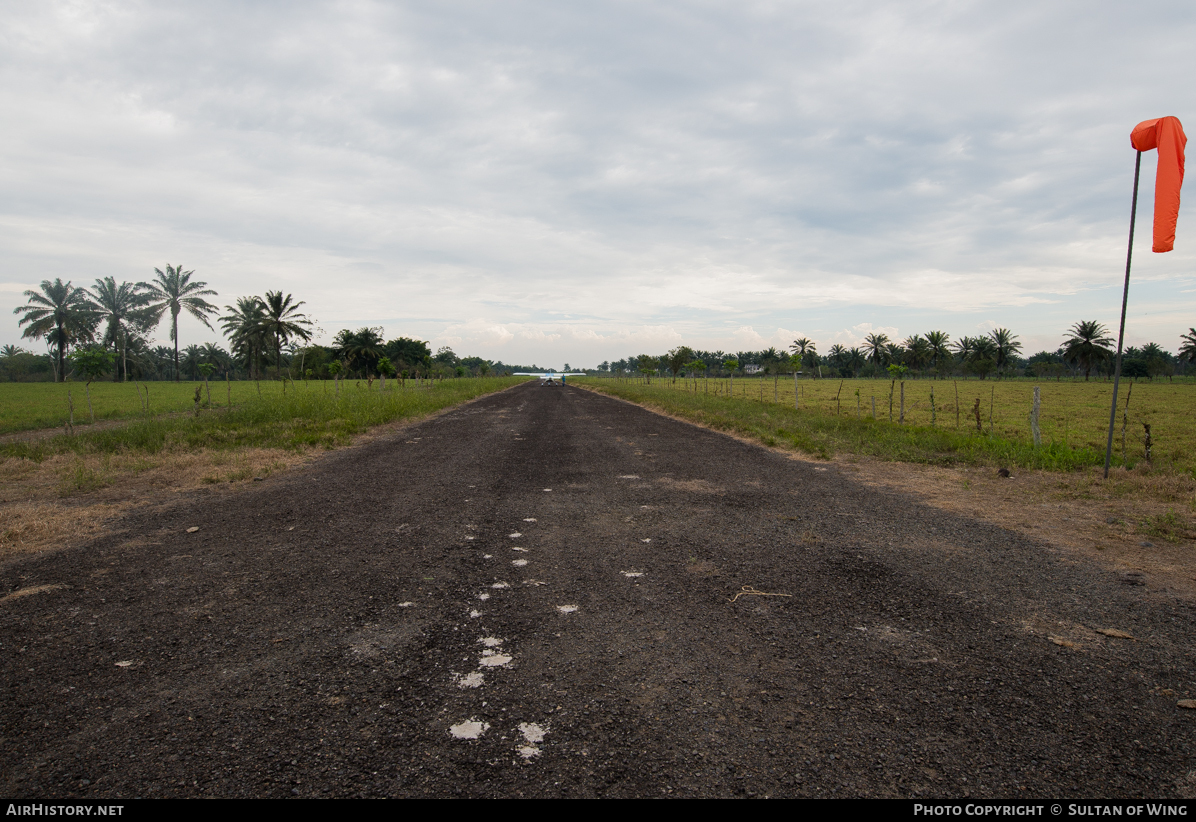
[555,182]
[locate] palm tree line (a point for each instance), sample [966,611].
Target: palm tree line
[1087,348]
[267,333]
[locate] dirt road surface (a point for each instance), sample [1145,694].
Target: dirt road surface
[531,595]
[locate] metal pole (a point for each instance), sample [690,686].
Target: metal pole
[1125,294]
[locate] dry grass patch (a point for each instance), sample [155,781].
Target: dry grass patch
[30,527]
[70,498]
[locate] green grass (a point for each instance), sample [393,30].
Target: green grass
[1163,526]
[307,415]
[818,431]
[30,406]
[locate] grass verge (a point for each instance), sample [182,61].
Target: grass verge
[302,418]
[822,435]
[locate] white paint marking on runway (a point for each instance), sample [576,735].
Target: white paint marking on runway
[519,563]
[529,519]
[469,729]
[492,660]
[649,539]
[533,734]
[483,597]
[406,604]
[490,641]
[474,614]
[517,548]
[633,574]
[566,609]
[500,585]
[471,680]
[515,535]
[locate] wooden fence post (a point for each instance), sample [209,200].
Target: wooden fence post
[1034,418]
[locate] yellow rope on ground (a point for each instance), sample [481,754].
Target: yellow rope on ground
[750,591]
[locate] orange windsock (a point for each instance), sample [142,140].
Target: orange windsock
[1167,135]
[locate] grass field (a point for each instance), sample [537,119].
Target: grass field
[30,406]
[1073,417]
[307,414]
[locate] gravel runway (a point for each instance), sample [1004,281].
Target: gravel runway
[531,595]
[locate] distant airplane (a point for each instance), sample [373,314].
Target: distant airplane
[547,377]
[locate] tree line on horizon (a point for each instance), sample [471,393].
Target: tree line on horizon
[106,330]
[1087,348]
[110,325]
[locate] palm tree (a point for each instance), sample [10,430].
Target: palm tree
[917,352]
[217,356]
[984,348]
[364,347]
[1006,346]
[806,350]
[1187,351]
[174,290]
[856,360]
[770,358]
[1087,345]
[1156,358]
[938,341]
[162,359]
[837,357]
[63,315]
[192,357]
[283,321]
[875,345]
[801,345]
[124,308]
[243,327]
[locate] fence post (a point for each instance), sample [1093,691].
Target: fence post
[1034,418]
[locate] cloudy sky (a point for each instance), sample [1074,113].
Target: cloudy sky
[576,182]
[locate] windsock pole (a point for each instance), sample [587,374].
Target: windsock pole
[1125,294]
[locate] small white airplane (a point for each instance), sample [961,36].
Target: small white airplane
[547,377]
